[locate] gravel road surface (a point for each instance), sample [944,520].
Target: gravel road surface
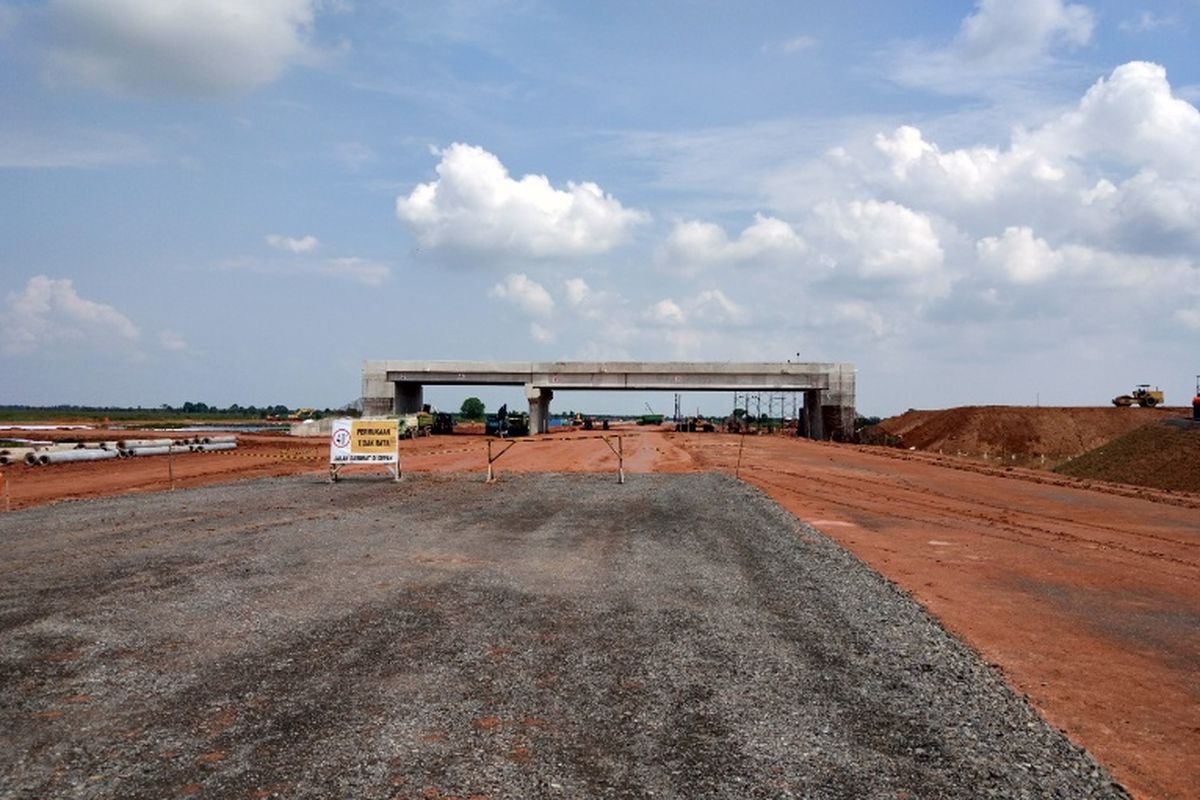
[546,636]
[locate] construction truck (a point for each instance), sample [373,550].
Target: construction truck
[1142,394]
[507,423]
[694,425]
[651,418]
[414,425]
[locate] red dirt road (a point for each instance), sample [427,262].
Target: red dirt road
[1086,596]
[1088,599]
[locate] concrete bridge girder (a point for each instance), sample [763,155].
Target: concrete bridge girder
[828,388]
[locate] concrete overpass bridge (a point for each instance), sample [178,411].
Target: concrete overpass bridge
[396,387]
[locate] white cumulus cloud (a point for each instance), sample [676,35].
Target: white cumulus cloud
[972,174]
[694,244]
[188,47]
[475,207]
[999,40]
[1118,169]
[1019,256]
[524,293]
[665,312]
[1012,31]
[1133,117]
[883,239]
[305,244]
[50,312]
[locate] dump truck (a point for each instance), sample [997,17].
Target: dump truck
[1142,394]
[414,425]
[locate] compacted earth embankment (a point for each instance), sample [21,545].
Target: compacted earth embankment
[545,636]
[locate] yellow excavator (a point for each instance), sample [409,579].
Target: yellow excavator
[1142,394]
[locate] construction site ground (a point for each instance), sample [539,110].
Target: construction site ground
[1086,595]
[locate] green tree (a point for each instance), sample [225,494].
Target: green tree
[472,408]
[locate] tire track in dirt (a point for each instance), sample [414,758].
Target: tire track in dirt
[841,491]
[948,510]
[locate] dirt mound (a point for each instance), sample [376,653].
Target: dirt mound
[1020,434]
[1165,456]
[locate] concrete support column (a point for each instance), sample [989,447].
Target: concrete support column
[812,414]
[378,393]
[409,397]
[539,408]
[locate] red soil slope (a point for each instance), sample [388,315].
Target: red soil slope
[1019,434]
[1159,456]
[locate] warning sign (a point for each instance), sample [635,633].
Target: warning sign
[364,441]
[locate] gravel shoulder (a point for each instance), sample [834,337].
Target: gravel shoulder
[680,636]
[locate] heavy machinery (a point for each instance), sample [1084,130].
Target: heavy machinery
[1142,394]
[507,423]
[414,425]
[651,418]
[695,424]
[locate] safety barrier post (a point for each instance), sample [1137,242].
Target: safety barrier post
[619,451]
[737,471]
[491,476]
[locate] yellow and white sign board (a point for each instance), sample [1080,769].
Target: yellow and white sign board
[364,441]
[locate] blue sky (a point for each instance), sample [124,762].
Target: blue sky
[992,202]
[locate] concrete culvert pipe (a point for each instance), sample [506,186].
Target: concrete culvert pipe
[66,456]
[158,450]
[130,444]
[218,439]
[215,446]
[14,455]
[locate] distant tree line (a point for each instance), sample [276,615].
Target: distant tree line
[188,409]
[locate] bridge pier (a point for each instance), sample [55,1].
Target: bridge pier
[813,422]
[409,397]
[539,408]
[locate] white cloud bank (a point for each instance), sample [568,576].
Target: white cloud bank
[49,312]
[475,208]
[1084,227]
[184,47]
